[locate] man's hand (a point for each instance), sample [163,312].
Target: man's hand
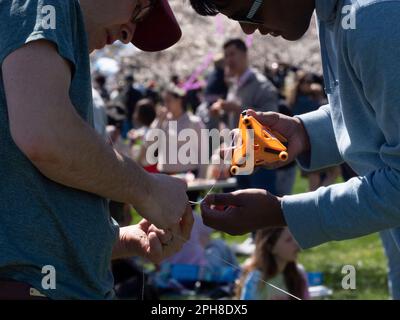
[166,201]
[291,128]
[244,211]
[147,241]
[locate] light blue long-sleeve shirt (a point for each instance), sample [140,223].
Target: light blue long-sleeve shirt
[360,126]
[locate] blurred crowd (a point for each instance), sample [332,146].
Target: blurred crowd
[126,112]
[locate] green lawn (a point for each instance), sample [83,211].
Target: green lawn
[365,254]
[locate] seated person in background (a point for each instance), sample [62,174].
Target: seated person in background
[274,262]
[143,117]
[172,119]
[175,110]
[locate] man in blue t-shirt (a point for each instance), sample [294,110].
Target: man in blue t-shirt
[56,235]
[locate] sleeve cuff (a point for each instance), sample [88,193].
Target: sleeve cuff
[303,219]
[324,151]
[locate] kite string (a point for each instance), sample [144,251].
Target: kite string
[226,154]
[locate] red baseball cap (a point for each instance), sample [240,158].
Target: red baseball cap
[159,30]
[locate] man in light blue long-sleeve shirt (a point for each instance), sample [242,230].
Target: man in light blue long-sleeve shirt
[360,46]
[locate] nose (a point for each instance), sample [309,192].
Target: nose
[247,28]
[296,246]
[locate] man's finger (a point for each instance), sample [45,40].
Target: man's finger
[187,223]
[211,217]
[223,199]
[164,235]
[155,248]
[144,225]
[265,118]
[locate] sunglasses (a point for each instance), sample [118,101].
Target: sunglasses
[249,18]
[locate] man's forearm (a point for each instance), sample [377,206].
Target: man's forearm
[79,158]
[50,132]
[360,206]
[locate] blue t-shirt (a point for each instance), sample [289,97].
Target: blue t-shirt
[41,222]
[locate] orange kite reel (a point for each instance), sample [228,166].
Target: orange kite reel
[269,146]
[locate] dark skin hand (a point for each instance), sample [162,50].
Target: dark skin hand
[291,128]
[245,211]
[253,209]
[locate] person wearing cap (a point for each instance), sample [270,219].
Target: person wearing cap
[56,171]
[360,47]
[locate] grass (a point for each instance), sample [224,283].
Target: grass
[365,254]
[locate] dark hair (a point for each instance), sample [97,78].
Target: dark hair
[206,7]
[264,260]
[145,112]
[175,79]
[129,78]
[100,79]
[238,43]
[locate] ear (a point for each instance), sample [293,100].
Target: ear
[127,32]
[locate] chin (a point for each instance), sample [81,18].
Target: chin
[296,31]
[294,36]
